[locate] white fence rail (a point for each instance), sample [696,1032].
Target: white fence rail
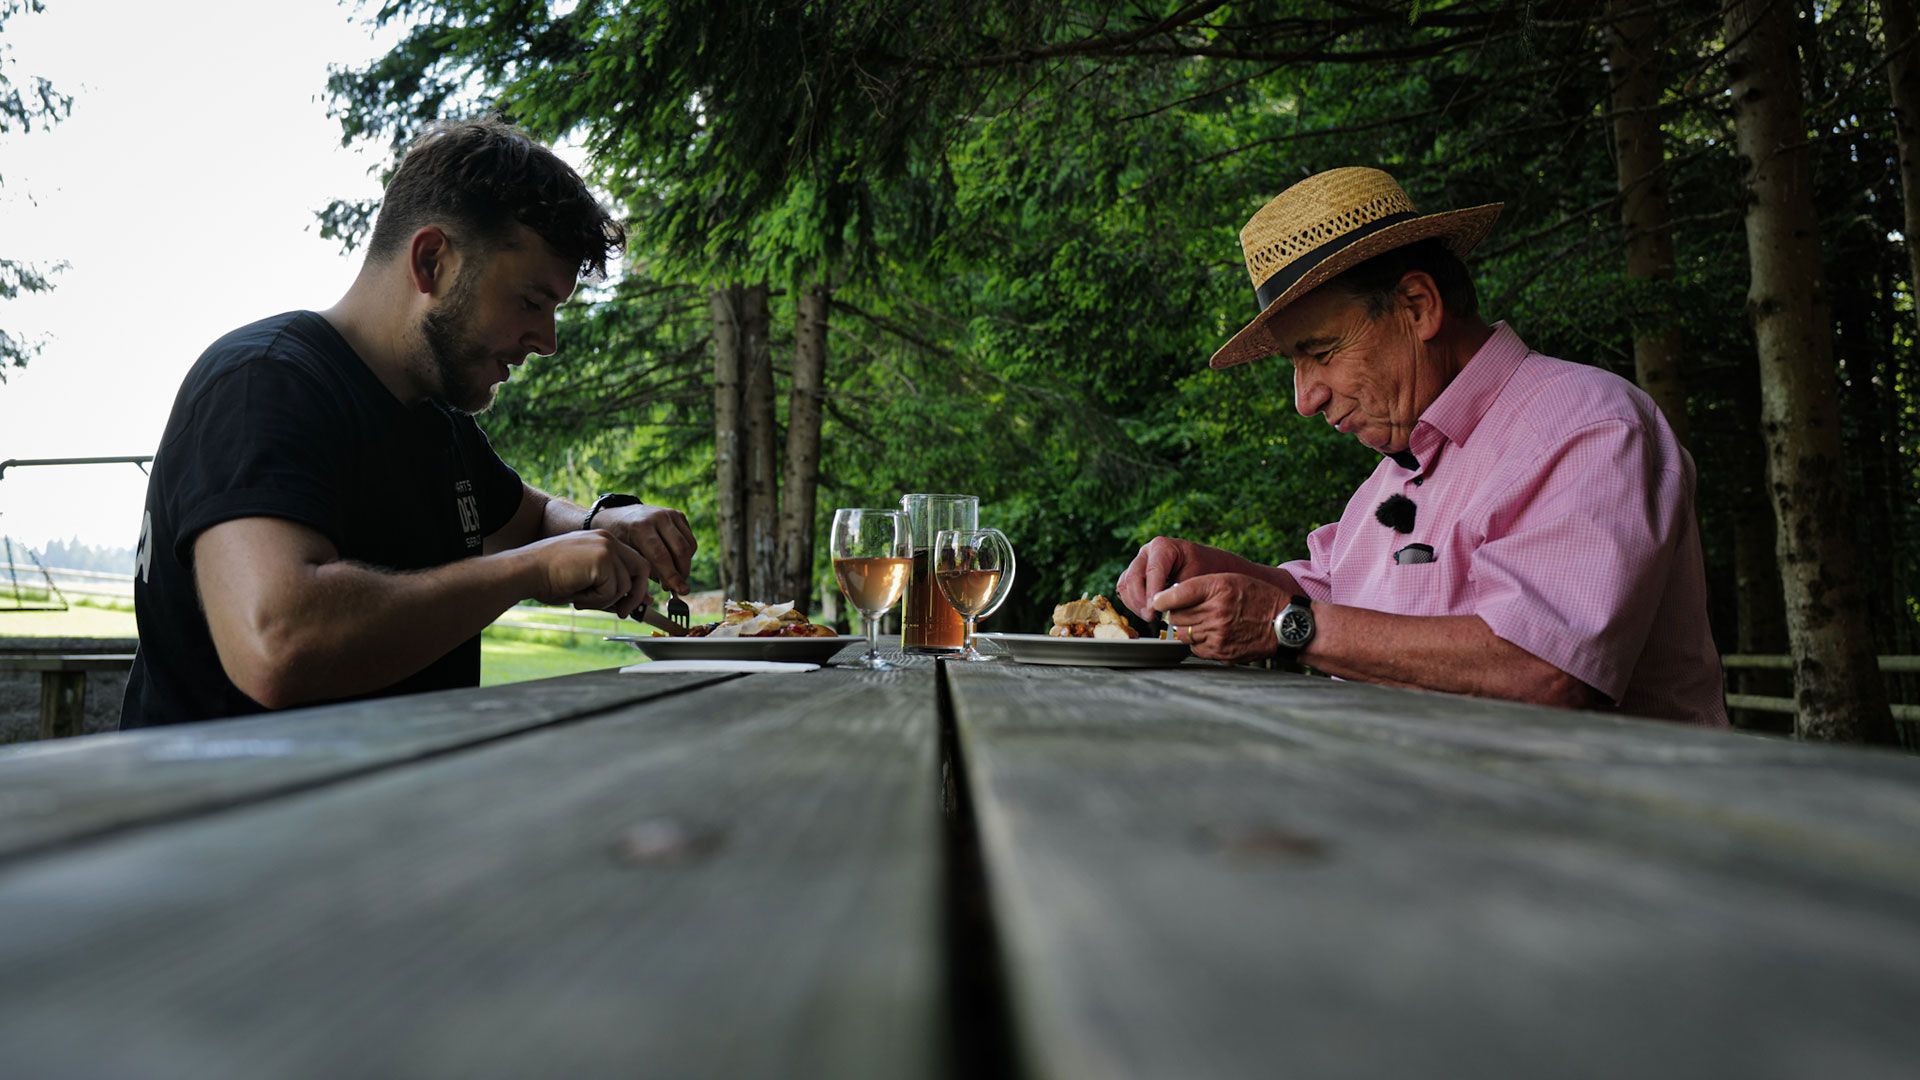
[96,584]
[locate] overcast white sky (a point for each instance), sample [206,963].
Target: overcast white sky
[182,191]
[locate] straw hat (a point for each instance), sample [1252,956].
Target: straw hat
[1328,223]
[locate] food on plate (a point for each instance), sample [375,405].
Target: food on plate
[1090,618]
[745,618]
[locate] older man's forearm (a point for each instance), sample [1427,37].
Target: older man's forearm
[1458,654]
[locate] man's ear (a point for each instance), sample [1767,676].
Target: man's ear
[430,259]
[1420,295]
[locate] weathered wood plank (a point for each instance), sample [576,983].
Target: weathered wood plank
[1760,785]
[1205,872]
[740,881]
[57,793]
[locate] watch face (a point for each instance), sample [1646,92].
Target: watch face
[1296,627]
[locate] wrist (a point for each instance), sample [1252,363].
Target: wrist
[522,573]
[609,501]
[1294,628]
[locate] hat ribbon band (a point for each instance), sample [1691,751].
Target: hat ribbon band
[1283,278]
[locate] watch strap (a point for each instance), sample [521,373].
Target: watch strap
[605,502]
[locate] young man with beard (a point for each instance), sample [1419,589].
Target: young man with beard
[325,520]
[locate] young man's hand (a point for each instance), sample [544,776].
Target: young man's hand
[660,534]
[590,570]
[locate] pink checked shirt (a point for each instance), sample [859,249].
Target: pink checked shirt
[1560,510]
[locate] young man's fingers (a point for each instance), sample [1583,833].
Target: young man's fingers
[677,535]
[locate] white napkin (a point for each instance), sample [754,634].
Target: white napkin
[667,667]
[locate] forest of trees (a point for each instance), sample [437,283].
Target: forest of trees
[969,245]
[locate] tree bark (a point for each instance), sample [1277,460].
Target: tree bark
[729,494]
[1633,34]
[1903,77]
[761,429]
[1837,688]
[803,443]
[1762,628]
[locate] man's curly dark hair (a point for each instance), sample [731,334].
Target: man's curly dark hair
[477,178]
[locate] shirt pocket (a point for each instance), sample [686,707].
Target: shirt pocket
[1434,588]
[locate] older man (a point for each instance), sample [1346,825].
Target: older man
[1529,532]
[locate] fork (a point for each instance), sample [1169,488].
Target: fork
[678,612]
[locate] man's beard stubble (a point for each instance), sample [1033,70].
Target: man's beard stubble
[456,360]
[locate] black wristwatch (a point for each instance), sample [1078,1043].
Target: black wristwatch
[607,502]
[1293,627]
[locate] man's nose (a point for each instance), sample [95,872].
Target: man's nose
[1308,397]
[543,339]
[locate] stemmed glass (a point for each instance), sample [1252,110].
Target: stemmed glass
[872,556]
[975,569]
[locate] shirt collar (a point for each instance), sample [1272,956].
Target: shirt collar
[1457,411]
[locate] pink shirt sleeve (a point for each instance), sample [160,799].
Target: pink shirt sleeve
[1311,572]
[1578,548]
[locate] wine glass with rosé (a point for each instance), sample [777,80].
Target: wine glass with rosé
[872,556]
[975,569]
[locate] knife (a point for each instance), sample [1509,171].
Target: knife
[652,617]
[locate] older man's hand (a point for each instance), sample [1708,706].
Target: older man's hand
[1165,560]
[1224,616]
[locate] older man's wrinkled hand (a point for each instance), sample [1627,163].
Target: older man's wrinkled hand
[1224,616]
[1159,563]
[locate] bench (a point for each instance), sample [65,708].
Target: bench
[63,685]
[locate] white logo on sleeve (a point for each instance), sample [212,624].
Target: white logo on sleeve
[143,558]
[468,505]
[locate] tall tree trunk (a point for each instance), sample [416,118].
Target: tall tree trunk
[761,429]
[1837,688]
[1762,628]
[1633,33]
[803,443]
[1903,77]
[729,490]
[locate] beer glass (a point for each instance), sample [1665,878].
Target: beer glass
[975,571]
[929,623]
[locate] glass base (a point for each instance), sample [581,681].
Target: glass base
[872,663]
[971,656]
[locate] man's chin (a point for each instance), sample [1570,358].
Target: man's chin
[475,403]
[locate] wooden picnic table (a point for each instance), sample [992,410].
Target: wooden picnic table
[956,870]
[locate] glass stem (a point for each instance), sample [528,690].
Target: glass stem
[873,635]
[966,647]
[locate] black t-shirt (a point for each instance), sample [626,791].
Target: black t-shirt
[283,419]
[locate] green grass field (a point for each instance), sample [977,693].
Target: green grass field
[506,656]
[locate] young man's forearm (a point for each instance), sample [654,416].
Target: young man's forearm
[538,517]
[351,628]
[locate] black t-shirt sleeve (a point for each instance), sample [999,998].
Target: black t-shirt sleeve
[264,441]
[496,482]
